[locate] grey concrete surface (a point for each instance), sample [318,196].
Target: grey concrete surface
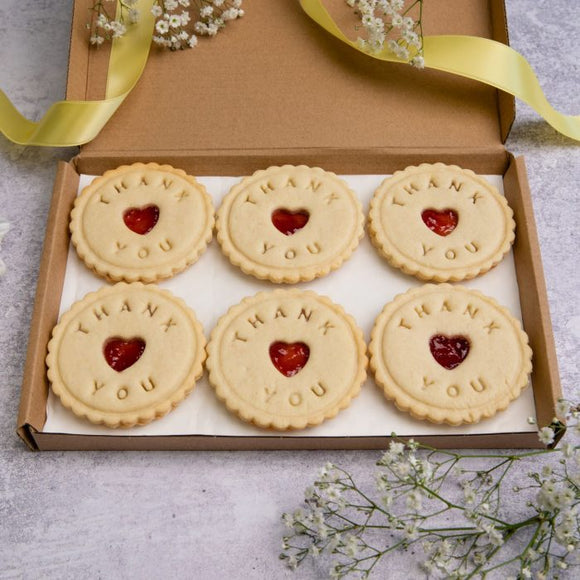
[215,515]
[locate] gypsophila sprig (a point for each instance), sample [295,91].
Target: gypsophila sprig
[394,25]
[178,23]
[449,506]
[108,24]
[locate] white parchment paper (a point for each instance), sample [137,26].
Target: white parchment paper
[362,286]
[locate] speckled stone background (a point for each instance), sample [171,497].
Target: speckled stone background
[215,515]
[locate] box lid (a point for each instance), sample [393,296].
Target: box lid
[275,84]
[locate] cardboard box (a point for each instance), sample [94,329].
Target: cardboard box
[271,89]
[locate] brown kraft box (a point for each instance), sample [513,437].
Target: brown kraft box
[274,88]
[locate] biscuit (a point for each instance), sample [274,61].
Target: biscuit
[449,355]
[286,359]
[141,222]
[125,355]
[290,224]
[440,222]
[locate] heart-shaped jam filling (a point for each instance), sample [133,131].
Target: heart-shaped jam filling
[121,354]
[141,220]
[289,222]
[289,357]
[440,222]
[449,351]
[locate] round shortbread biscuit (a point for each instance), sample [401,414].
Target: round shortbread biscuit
[449,355]
[290,224]
[440,222]
[141,222]
[286,359]
[125,355]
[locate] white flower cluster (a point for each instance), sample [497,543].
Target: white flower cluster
[174,27]
[108,26]
[211,16]
[390,24]
[343,525]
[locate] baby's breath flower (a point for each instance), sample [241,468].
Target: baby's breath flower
[565,497]
[334,542]
[387,500]
[397,20]
[414,500]
[389,24]
[174,21]
[396,447]
[469,494]
[292,562]
[402,468]
[408,23]
[162,26]
[494,536]
[411,532]
[546,435]
[562,407]
[332,493]
[351,546]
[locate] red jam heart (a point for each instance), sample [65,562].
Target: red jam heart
[441,222]
[141,220]
[289,222]
[289,358]
[449,351]
[120,354]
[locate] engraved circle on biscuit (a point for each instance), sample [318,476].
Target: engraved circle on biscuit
[125,355]
[286,359]
[141,222]
[288,224]
[449,354]
[440,222]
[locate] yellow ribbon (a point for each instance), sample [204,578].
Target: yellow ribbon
[472,57]
[68,123]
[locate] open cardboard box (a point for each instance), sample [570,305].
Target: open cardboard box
[274,89]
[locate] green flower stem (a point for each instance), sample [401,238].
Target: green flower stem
[489,556]
[460,456]
[458,507]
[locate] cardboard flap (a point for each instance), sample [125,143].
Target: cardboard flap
[534,305]
[276,81]
[32,412]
